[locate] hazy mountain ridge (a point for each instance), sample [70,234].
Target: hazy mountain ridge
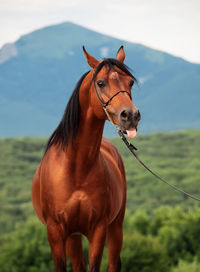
[40,74]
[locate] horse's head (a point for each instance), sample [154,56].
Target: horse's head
[111,88]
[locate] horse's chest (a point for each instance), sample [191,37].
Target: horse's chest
[89,197]
[101,197]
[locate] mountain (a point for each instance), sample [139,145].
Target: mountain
[39,71]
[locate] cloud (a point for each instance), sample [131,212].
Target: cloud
[36,5]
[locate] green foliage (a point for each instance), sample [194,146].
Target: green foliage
[140,222]
[187,267]
[177,230]
[175,156]
[144,254]
[19,159]
[26,249]
[180,234]
[176,238]
[161,228]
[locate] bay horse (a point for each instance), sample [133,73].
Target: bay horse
[79,187]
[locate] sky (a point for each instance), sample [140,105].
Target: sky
[172,26]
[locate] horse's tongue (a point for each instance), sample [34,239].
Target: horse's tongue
[132,133]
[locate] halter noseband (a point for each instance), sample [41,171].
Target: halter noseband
[104,105]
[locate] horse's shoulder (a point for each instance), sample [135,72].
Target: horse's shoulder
[106,144]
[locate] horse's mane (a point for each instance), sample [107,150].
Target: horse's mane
[70,121]
[68,126]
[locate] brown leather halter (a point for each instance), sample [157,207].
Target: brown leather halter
[104,105]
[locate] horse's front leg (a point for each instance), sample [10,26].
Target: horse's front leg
[75,252]
[114,242]
[57,244]
[96,246]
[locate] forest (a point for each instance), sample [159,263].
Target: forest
[161,228]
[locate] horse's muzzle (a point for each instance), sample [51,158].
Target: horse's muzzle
[129,118]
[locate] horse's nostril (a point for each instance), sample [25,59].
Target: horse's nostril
[124,114]
[137,115]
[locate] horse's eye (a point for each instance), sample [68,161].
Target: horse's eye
[131,83]
[100,83]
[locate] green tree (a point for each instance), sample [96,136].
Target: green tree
[143,254]
[26,249]
[187,267]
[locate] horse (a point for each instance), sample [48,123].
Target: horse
[79,188]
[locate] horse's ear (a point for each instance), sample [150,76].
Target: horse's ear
[121,54]
[90,59]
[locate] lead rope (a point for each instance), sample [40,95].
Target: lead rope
[132,148]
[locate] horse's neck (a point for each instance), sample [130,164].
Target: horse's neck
[86,147]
